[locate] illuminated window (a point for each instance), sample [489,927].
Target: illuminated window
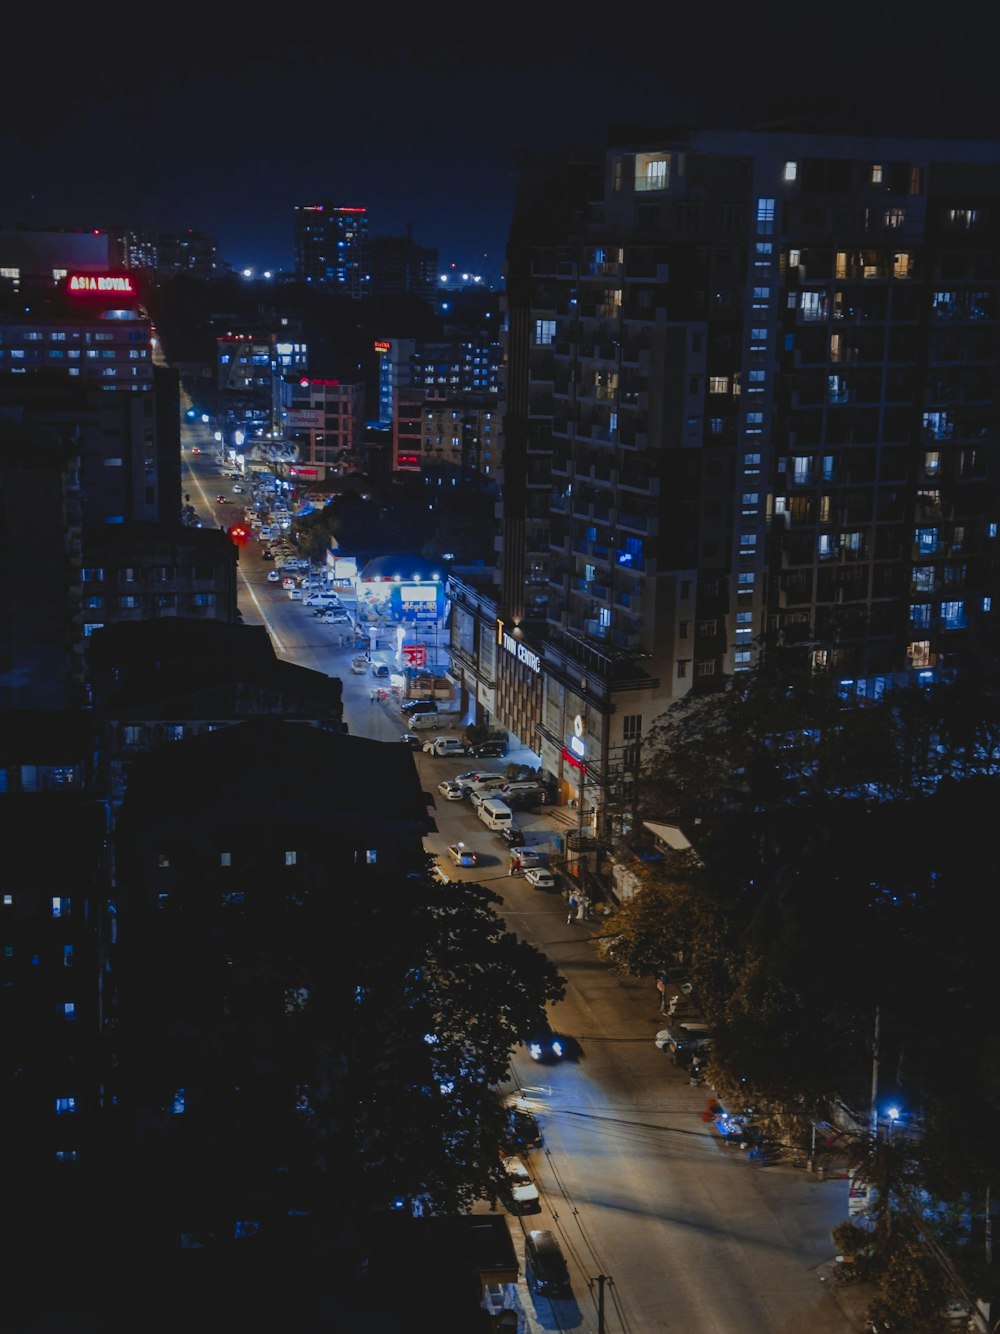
[290,858]
[225,859]
[877,174]
[718,384]
[61,907]
[65,1106]
[765,216]
[791,171]
[545,332]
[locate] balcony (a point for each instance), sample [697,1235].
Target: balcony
[638,523]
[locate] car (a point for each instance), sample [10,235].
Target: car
[493,750]
[222,500]
[521,859]
[521,1129]
[295,594]
[334,617]
[683,1040]
[444,745]
[237,490]
[462,855]
[267,555]
[288,582]
[450,790]
[523,1194]
[546,1046]
[512,836]
[196,449]
[381,671]
[273,576]
[359,665]
[418,706]
[540,877]
[412,740]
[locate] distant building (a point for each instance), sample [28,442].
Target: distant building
[331,248]
[400,266]
[460,440]
[325,420]
[192,253]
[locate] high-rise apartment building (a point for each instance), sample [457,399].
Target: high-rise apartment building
[401,266]
[331,248]
[750,400]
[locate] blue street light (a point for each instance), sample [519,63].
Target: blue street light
[893,1114]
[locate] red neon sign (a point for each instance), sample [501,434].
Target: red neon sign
[112,284]
[305,382]
[382,345]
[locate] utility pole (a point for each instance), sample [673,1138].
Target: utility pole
[875,1055]
[600,1281]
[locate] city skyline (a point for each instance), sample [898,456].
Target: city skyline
[220,129]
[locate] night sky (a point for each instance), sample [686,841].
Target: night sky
[225,124]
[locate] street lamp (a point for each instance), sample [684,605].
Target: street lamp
[893,1114]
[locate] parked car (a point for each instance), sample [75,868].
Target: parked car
[545,1265]
[493,750]
[410,706]
[522,1194]
[512,836]
[462,855]
[444,745]
[522,1130]
[412,740]
[683,1040]
[267,555]
[540,877]
[381,673]
[450,790]
[359,664]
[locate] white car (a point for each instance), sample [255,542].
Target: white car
[523,1191]
[539,877]
[273,576]
[451,791]
[295,594]
[444,745]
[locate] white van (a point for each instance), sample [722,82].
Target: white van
[496,814]
[424,722]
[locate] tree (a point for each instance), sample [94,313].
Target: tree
[335,1051]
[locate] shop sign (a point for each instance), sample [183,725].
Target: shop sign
[518,649]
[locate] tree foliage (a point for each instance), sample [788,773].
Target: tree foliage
[336,1050]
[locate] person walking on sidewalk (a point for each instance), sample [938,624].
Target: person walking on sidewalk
[571,913]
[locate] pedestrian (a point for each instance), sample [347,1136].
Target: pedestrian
[582,905]
[373,696]
[571,907]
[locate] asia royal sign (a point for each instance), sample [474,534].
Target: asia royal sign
[101,284]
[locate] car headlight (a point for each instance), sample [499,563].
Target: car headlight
[557,1048]
[535,1051]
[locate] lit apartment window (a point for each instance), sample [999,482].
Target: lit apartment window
[67,952]
[741,656]
[545,332]
[765,216]
[371,856]
[290,858]
[718,384]
[953,615]
[69,1009]
[65,1106]
[652,171]
[225,859]
[791,171]
[877,174]
[894,217]
[920,615]
[65,1155]
[162,860]
[61,906]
